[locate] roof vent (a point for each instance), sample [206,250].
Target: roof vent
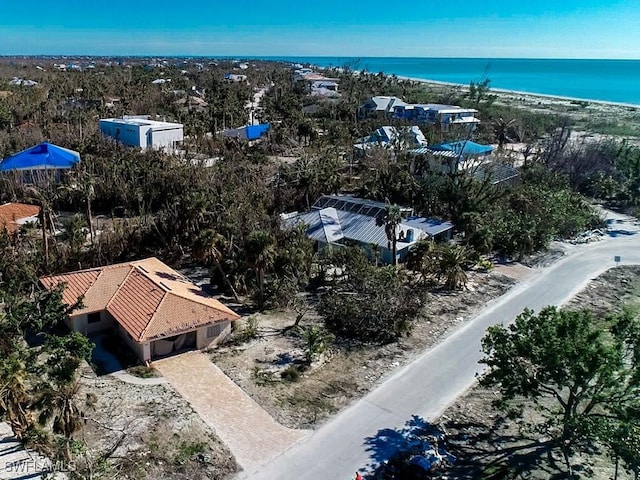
[165,286]
[143,269]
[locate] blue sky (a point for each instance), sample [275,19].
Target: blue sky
[422,28]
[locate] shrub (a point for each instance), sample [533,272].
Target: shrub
[484,265]
[291,374]
[250,329]
[142,371]
[316,342]
[374,305]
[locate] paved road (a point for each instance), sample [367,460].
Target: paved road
[429,384]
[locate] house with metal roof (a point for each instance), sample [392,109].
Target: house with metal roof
[155,310]
[466,155]
[379,105]
[341,220]
[443,115]
[402,138]
[324,88]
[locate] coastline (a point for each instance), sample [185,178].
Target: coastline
[545,96]
[505,91]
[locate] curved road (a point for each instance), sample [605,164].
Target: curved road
[426,386]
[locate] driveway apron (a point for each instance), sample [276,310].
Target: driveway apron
[253,436]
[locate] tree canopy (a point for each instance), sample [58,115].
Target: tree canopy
[581,375]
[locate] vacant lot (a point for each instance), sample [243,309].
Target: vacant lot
[348,370]
[147,432]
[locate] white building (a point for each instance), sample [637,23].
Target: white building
[139,131]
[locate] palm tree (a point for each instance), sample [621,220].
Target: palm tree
[261,255]
[82,184]
[44,198]
[14,397]
[391,218]
[423,258]
[453,259]
[502,130]
[59,402]
[208,248]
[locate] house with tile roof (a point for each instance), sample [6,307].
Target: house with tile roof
[14,215]
[153,308]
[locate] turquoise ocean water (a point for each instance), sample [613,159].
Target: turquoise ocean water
[604,80]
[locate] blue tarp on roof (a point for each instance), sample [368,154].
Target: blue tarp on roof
[462,146]
[45,156]
[254,132]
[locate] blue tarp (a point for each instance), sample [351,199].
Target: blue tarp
[45,156]
[462,146]
[254,132]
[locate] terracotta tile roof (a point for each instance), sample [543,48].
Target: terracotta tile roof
[147,298]
[76,284]
[135,303]
[12,213]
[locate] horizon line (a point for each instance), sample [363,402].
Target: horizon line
[276,57]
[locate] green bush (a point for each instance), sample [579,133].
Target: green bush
[250,329]
[484,265]
[371,304]
[142,371]
[291,374]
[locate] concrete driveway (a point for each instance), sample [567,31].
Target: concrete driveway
[253,436]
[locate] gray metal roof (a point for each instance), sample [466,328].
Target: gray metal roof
[384,103]
[496,172]
[349,203]
[321,225]
[430,226]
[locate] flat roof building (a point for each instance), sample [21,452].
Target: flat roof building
[139,131]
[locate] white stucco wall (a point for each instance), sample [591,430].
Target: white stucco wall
[79,323]
[166,137]
[143,135]
[129,134]
[201,337]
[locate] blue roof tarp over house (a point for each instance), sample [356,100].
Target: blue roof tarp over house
[45,156]
[464,147]
[254,132]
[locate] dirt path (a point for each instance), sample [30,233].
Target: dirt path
[254,104]
[249,431]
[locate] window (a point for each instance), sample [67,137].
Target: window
[93,317]
[214,330]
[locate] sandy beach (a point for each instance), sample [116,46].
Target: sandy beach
[519,93]
[596,118]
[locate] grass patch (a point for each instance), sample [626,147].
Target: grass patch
[142,371]
[605,127]
[189,451]
[291,374]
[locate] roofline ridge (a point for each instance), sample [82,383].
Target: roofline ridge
[131,268]
[192,300]
[143,337]
[92,269]
[143,333]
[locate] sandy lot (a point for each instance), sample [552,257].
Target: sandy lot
[147,432]
[348,370]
